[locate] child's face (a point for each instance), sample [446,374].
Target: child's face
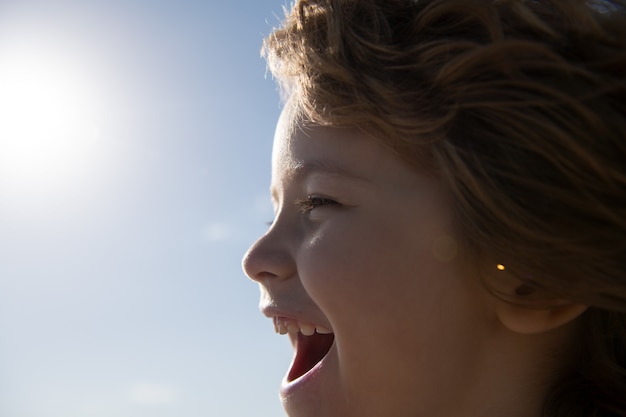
[364,246]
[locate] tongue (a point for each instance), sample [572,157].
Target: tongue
[309,351]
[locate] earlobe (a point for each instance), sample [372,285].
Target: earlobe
[529,320]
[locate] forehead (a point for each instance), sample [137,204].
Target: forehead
[305,150]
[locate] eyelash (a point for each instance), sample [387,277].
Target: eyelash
[306,205]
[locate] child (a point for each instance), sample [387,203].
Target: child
[449,183]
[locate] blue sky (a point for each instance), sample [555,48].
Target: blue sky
[121,290]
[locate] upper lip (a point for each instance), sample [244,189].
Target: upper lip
[273,310]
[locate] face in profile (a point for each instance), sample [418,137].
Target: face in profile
[360,268]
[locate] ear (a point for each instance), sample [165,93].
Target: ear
[524,308]
[529,320]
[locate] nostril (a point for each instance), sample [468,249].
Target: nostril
[263,276]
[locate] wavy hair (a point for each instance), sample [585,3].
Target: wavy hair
[519,106]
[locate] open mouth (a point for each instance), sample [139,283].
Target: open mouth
[310,350]
[311,344]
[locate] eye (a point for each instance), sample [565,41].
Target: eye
[306,205]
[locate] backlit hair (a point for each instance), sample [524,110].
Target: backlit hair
[519,106]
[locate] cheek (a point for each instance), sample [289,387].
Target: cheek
[328,264]
[369,271]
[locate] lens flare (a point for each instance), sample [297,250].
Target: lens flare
[48,125]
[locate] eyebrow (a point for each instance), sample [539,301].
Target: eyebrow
[305,169]
[301,170]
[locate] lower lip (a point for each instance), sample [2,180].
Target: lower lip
[311,381]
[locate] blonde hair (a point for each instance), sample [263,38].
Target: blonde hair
[519,106]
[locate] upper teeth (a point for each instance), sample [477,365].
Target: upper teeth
[284,325]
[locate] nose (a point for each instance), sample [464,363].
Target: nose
[269,257]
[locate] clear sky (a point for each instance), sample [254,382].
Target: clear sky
[135,140]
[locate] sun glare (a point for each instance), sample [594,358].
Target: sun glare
[48,127]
